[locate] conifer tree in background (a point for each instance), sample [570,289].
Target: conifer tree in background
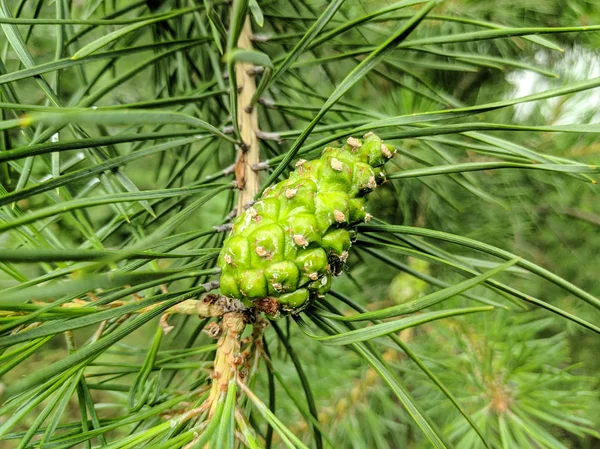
[458,308]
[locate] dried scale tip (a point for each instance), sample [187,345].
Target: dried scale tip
[336,164]
[261,251]
[385,151]
[300,240]
[339,216]
[353,142]
[284,249]
[371,183]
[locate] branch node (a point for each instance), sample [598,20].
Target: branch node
[264,165]
[266,135]
[255,70]
[225,227]
[213,330]
[260,37]
[229,170]
[231,215]
[208,286]
[267,103]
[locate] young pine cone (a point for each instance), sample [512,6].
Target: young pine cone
[290,243]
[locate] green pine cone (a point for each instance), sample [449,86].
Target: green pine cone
[291,242]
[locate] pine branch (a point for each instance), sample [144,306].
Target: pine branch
[228,359]
[248,152]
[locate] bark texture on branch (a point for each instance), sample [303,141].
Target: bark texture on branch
[228,349]
[228,358]
[248,155]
